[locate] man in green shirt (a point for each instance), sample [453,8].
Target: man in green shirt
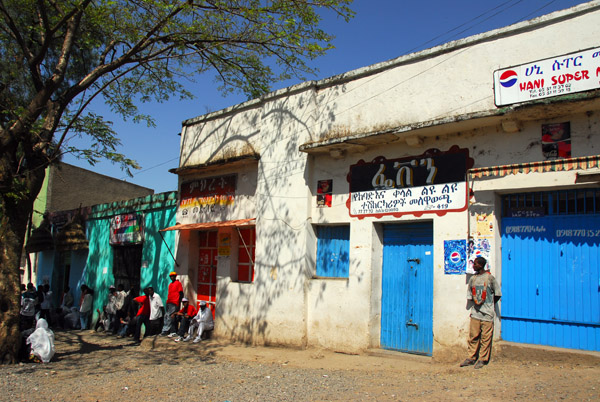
[483,292]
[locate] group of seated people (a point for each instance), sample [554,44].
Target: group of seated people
[124,315]
[148,310]
[188,321]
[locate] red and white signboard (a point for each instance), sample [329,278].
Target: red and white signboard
[560,75]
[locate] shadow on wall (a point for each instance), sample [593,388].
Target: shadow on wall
[279,225]
[158,253]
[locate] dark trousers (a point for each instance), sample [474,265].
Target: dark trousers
[26,322]
[113,325]
[138,321]
[45,314]
[184,324]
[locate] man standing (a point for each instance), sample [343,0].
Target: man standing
[27,313]
[46,304]
[85,308]
[483,292]
[157,311]
[203,321]
[174,297]
[119,303]
[111,308]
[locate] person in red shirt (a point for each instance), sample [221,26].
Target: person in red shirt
[143,315]
[174,298]
[183,316]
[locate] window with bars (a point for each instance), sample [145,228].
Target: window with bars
[333,251]
[560,202]
[246,251]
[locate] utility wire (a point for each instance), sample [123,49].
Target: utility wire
[501,8]
[150,168]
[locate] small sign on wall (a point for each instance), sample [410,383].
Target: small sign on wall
[455,257]
[324,189]
[556,140]
[224,244]
[479,248]
[485,225]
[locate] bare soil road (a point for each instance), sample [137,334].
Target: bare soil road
[92,366]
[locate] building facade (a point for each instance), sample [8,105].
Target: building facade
[122,244]
[67,187]
[344,213]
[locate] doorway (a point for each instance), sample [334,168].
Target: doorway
[127,262]
[407,288]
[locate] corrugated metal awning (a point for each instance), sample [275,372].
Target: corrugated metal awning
[555,165]
[209,225]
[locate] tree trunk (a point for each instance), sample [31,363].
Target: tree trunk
[15,207]
[12,234]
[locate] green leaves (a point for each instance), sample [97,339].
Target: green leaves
[56,56]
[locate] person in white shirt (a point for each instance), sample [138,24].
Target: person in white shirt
[85,309]
[111,308]
[157,311]
[203,321]
[119,304]
[46,304]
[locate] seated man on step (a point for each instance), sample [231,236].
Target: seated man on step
[203,321]
[182,318]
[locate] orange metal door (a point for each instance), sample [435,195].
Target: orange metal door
[207,269]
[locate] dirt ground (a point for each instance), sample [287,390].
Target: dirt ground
[92,366]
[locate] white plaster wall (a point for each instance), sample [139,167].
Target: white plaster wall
[339,309]
[272,308]
[454,80]
[212,139]
[284,305]
[336,321]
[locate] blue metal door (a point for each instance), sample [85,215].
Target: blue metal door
[407,288]
[550,281]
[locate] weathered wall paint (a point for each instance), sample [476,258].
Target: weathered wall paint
[432,88]
[159,213]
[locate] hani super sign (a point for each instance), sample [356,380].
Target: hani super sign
[560,75]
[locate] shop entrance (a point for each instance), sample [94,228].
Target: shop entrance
[207,268]
[550,268]
[127,262]
[407,288]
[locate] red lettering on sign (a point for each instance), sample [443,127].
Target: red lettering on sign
[529,85]
[564,78]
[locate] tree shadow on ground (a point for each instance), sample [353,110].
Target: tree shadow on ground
[94,353]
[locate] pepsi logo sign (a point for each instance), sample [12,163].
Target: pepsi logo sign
[508,78]
[455,257]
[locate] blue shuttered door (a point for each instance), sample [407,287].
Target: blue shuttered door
[550,281]
[407,288]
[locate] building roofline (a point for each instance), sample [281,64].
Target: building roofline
[519,112]
[509,30]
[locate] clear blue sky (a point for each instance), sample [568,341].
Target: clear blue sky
[381,30]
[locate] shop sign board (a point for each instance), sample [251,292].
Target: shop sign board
[433,182]
[206,195]
[126,229]
[560,75]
